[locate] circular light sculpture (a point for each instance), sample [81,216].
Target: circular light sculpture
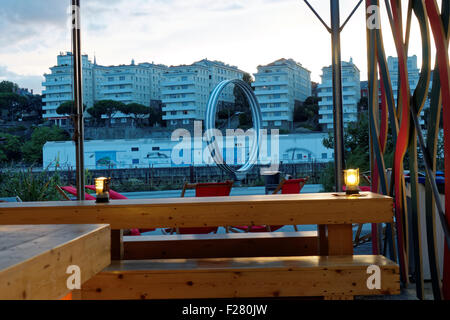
[210,121]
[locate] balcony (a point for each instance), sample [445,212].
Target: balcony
[177,83]
[271,91]
[270,83]
[263,99]
[179,91]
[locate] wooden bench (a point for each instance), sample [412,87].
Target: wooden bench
[328,272]
[262,244]
[34,259]
[339,277]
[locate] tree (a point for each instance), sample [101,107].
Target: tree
[247,77]
[109,108]
[8,87]
[96,114]
[363,104]
[308,112]
[156,116]
[10,148]
[356,150]
[32,149]
[12,104]
[66,108]
[137,111]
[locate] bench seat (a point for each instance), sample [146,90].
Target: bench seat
[311,276]
[221,245]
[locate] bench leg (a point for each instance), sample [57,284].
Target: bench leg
[117,245]
[336,239]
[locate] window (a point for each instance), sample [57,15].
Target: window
[135,161]
[134,149]
[155,148]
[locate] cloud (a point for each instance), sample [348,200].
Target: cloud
[24,81]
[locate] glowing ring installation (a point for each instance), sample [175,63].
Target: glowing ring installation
[210,121]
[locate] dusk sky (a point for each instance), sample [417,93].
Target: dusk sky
[244,33]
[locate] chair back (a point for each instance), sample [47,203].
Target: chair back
[114,195]
[213,189]
[292,186]
[210,189]
[73,191]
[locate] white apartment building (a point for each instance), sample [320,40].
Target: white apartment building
[131,83]
[58,86]
[277,86]
[413,78]
[351,94]
[185,90]
[413,73]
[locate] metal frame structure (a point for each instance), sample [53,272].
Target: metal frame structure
[338,126]
[77,114]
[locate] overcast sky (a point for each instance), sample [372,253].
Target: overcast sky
[245,33]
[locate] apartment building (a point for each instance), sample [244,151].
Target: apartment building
[185,90]
[58,86]
[133,83]
[351,94]
[413,78]
[277,86]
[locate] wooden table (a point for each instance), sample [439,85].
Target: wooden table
[34,259]
[336,212]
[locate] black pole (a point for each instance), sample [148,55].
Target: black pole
[78,99]
[337,95]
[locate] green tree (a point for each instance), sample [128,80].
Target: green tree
[137,111]
[32,149]
[356,150]
[10,148]
[308,112]
[8,87]
[66,108]
[12,105]
[109,108]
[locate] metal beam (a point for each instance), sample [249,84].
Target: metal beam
[339,161]
[78,99]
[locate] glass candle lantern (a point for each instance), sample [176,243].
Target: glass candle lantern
[102,189]
[351,178]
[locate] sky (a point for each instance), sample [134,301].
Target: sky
[244,33]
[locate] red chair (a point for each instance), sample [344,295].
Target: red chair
[291,186]
[113,195]
[213,189]
[73,191]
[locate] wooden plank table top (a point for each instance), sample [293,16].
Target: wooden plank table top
[309,208]
[34,258]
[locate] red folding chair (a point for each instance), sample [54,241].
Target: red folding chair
[112,194]
[212,189]
[291,186]
[73,191]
